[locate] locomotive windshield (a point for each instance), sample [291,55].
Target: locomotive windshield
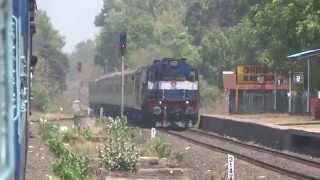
[172,74]
[191,76]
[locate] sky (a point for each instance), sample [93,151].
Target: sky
[72,18]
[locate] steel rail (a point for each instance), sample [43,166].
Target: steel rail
[260,148]
[246,158]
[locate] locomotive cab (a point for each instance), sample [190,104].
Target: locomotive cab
[172,96]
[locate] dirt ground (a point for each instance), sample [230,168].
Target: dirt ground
[39,158]
[199,163]
[205,164]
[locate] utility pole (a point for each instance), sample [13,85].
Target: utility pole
[290,92]
[123,47]
[308,97]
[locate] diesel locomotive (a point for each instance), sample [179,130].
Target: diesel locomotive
[163,94]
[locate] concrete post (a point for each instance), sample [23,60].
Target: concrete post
[101,113]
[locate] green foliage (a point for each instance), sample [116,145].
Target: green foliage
[86,133]
[118,128]
[53,64]
[85,52]
[56,146]
[40,97]
[214,35]
[150,25]
[48,130]
[208,93]
[67,136]
[284,27]
[118,153]
[68,165]
[162,148]
[71,166]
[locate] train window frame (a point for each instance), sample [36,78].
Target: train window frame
[7,156]
[3,103]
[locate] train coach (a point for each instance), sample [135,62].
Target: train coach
[16,29]
[163,94]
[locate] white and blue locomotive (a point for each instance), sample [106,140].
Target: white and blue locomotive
[16,29]
[165,93]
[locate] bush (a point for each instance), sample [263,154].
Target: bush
[57,147]
[208,93]
[118,128]
[71,166]
[86,133]
[48,130]
[67,136]
[162,148]
[40,97]
[118,153]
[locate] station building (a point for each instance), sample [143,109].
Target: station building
[256,89]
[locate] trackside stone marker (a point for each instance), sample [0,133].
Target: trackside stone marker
[231,173]
[153,133]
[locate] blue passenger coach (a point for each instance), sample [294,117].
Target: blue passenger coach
[17,27]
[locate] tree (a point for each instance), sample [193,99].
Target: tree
[283,27]
[84,53]
[48,44]
[148,23]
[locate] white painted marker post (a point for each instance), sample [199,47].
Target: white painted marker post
[101,113]
[88,111]
[153,133]
[231,173]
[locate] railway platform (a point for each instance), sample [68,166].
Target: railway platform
[296,134]
[282,121]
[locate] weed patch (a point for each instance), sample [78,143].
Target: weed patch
[118,153]
[162,148]
[68,165]
[86,133]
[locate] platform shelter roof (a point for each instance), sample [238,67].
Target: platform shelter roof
[305,55]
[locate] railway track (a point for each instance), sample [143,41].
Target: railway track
[292,166]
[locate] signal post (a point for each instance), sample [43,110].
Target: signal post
[123,48]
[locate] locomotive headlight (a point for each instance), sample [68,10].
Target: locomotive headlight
[157,110]
[187,102]
[189,110]
[160,102]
